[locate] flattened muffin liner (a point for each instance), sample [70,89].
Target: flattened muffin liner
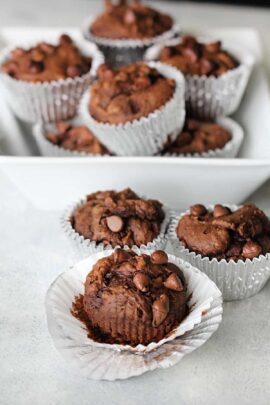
[147,135]
[236,280]
[230,149]
[49,101]
[212,97]
[124,51]
[86,247]
[48,148]
[101,361]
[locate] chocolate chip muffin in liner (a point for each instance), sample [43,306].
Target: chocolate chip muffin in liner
[147,135]
[110,361]
[236,277]
[209,97]
[48,148]
[85,246]
[230,149]
[119,52]
[52,100]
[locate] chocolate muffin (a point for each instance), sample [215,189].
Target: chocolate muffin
[199,137]
[76,138]
[195,58]
[130,20]
[118,218]
[128,93]
[223,234]
[132,299]
[45,62]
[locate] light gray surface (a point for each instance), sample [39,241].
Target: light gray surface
[232,368]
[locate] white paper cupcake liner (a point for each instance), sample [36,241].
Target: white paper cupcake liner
[124,51]
[212,97]
[236,280]
[230,150]
[49,101]
[85,247]
[147,135]
[110,362]
[47,148]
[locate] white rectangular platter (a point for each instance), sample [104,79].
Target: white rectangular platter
[51,183]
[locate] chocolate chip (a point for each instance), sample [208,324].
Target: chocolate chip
[251,249]
[159,257]
[173,283]
[198,210]
[37,55]
[160,309]
[129,17]
[17,52]
[213,47]
[220,210]
[74,71]
[36,67]
[115,223]
[62,126]
[65,39]
[47,48]
[141,282]
[121,255]
[191,54]
[205,66]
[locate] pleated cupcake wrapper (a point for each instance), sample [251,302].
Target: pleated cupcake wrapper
[230,150]
[47,148]
[49,101]
[110,362]
[123,51]
[85,247]
[236,280]
[212,97]
[147,135]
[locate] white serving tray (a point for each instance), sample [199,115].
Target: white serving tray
[52,183]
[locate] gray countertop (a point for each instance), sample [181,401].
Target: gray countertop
[233,367]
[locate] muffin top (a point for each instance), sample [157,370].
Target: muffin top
[134,299]
[76,138]
[222,234]
[199,137]
[195,58]
[118,218]
[45,62]
[128,93]
[130,20]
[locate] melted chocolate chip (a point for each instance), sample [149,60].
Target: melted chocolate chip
[160,309]
[141,282]
[173,283]
[115,223]
[159,257]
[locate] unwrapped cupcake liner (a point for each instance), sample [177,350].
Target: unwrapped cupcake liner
[47,148]
[236,280]
[86,247]
[230,150]
[48,101]
[114,361]
[212,97]
[124,51]
[147,135]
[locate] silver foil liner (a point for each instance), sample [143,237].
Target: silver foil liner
[86,247]
[230,150]
[212,97]
[101,361]
[236,280]
[48,101]
[147,135]
[47,148]
[124,51]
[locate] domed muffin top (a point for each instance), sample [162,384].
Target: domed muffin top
[130,20]
[222,234]
[118,218]
[45,62]
[199,137]
[128,93]
[75,138]
[135,299]
[196,58]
